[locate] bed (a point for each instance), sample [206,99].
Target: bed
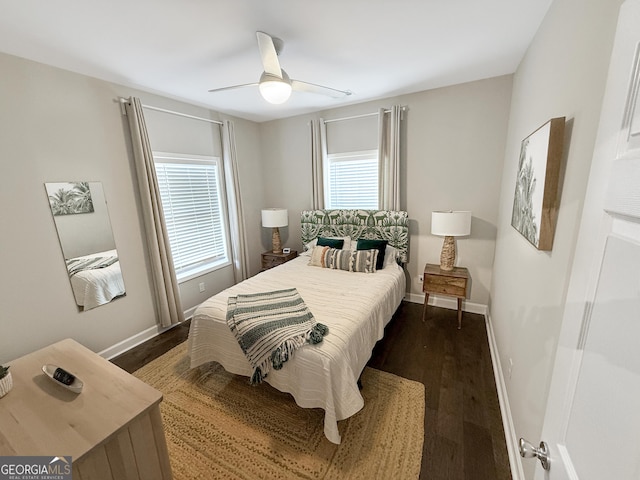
[96,279]
[355,307]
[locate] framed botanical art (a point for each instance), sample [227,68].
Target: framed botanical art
[536,198]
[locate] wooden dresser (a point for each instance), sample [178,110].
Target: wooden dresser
[112,429]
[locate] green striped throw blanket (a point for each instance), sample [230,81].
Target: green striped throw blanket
[270,326]
[75,265]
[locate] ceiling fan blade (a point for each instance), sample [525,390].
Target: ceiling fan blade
[301,86]
[213,90]
[269,54]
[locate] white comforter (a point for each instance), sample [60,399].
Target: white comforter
[355,306]
[95,287]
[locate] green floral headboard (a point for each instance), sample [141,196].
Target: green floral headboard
[370,224]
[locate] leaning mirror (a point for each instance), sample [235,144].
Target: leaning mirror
[82,221]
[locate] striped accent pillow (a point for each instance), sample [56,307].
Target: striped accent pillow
[318,255]
[363,261]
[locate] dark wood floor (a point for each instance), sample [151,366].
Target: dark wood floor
[464,437]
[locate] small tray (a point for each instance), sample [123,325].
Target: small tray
[76,385]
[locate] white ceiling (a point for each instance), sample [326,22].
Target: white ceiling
[182,48]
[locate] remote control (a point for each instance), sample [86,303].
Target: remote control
[63,376]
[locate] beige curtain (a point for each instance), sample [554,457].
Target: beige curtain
[167,295]
[239,250]
[318,156]
[389,158]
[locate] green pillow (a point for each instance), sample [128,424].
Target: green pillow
[330,242]
[380,245]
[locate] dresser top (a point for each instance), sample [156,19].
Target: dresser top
[39,417]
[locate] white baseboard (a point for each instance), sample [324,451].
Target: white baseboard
[515,461]
[447,302]
[189,313]
[139,338]
[133,341]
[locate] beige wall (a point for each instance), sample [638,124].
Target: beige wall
[454,140]
[60,126]
[562,74]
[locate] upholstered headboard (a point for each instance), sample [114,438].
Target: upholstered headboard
[389,225]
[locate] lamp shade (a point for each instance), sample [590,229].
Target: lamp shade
[451,224]
[275,217]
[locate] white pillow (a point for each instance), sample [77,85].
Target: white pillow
[390,256]
[307,249]
[309,246]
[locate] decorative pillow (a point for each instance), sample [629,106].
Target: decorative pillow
[363,261]
[330,242]
[346,245]
[308,248]
[380,245]
[390,255]
[338,259]
[318,256]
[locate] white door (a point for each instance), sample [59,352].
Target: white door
[592,421]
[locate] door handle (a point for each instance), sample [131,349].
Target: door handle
[527,450]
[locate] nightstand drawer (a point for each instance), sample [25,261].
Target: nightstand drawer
[445,285]
[270,260]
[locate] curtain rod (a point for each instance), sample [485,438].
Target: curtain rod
[403,108]
[172,112]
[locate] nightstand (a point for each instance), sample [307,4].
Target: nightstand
[446,282]
[270,259]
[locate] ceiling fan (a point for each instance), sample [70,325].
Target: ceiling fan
[275,85]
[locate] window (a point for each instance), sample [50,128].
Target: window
[351,180]
[191,192]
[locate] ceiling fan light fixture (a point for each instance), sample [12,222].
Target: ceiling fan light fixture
[275,90]
[275,85]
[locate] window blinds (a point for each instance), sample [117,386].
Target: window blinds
[190,193]
[351,181]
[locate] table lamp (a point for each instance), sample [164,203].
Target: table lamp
[450,224]
[274,218]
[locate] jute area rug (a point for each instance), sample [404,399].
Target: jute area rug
[219,427]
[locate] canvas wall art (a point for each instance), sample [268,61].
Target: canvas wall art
[536,198]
